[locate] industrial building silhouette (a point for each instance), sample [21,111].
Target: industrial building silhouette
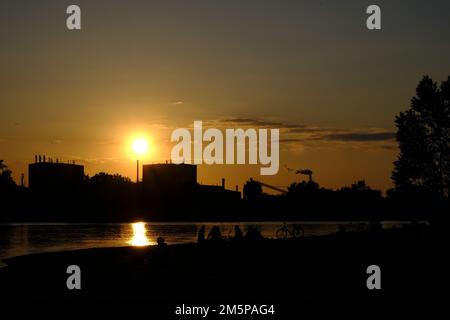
[169,186]
[166,190]
[54,176]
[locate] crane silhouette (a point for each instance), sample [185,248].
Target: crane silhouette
[306,172]
[275,188]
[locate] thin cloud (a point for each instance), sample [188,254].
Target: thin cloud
[291,140]
[250,122]
[302,132]
[361,136]
[295,133]
[310,129]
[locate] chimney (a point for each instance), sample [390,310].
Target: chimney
[237,188]
[43,157]
[35,158]
[223,183]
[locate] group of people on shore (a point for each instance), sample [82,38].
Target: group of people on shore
[215,235]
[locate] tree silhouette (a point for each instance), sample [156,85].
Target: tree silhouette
[6,180]
[111,180]
[304,186]
[424,141]
[2,166]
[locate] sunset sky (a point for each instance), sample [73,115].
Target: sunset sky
[310,68]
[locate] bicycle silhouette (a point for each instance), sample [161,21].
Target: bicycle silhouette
[355,227]
[285,232]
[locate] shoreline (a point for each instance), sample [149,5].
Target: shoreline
[323,267]
[266,221]
[387,224]
[208,222]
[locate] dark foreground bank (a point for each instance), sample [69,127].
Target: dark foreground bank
[412,262]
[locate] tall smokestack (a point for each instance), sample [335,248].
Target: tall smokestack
[43,158]
[223,183]
[35,158]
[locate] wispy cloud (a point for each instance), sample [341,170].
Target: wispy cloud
[301,132]
[361,136]
[291,140]
[249,122]
[294,134]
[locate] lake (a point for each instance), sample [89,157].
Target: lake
[18,239]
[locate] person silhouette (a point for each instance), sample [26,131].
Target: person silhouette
[238,235]
[161,242]
[157,256]
[253,234]
[201,235]
[215,234]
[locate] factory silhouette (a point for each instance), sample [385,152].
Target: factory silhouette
[60,191]
[165,190]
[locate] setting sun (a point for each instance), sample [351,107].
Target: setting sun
[140,146]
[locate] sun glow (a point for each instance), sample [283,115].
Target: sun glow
[140,146]
[139,235]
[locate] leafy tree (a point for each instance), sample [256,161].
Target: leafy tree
[424,141]
[106,179]
[2,166]
[301,187]
[6,180]
[110,193]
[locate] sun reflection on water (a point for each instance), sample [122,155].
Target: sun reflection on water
[139,235]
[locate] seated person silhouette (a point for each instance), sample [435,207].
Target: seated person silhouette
[253,234]
[238,235]
[158,256]
[161,242]
[201,235]
[215,234]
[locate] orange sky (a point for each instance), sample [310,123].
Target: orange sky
[310,69]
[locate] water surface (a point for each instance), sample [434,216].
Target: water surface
[27,238]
